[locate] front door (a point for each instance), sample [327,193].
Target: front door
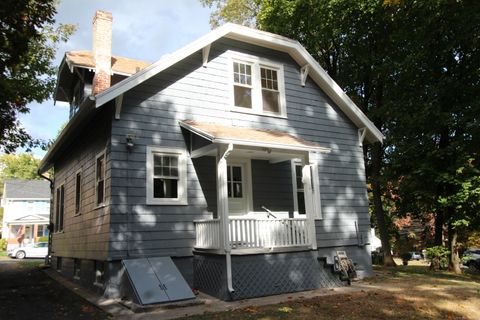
[237,189]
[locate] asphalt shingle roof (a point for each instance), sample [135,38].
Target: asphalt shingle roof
[21,189]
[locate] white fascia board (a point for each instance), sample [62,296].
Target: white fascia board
[256,37]
[250,143]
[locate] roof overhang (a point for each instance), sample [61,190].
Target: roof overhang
[260,38]
[250,138]
[85,111]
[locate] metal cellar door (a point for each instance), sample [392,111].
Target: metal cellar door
[157,280]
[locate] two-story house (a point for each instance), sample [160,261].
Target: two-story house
[26,211]
[236,157]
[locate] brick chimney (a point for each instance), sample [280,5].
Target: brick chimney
[102,50]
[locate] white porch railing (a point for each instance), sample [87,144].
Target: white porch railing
[247,233]
[207,234]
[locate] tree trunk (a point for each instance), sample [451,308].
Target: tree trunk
[454,259]
[377,204]
[439,220]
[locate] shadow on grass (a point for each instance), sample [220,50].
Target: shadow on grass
[411,292]
[416,271]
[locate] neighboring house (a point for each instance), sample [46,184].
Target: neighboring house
[236,156]
[26,211]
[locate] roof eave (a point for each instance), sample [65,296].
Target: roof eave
[66,133]
[265,39]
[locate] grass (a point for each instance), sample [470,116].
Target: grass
[405,292]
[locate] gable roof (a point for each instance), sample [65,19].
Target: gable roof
[247,136]
[26,189]
[231,31]
[260,38]
[120,65]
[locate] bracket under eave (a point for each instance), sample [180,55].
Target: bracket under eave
[362,132]
[304,74]
[205,54]
[118,106]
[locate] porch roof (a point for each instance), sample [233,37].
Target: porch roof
[222,134]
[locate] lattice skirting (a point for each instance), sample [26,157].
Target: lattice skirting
[262,274]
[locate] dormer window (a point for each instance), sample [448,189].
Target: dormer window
[258,86]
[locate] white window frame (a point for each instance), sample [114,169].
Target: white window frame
[99,155]
[257,103]
[182,176]
[294,164]
[59,208]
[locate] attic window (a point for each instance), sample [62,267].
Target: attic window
[258,85]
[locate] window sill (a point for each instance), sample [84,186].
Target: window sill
[253,112]
[153,202]
[100,206]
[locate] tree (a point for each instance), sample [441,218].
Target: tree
[28,42]
[22,166]
[237,11]
[435,116]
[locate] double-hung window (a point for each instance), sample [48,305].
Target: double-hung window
[78,192]
[100,180]
[166,176]
[60,208]
[258,86]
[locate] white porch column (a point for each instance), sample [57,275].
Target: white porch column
[310,207]
[222,195]
[222,208]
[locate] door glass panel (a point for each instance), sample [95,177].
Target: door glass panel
[237,190]
[234,182]
[237,173]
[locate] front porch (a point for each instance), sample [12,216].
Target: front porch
[266,189]
[264,198]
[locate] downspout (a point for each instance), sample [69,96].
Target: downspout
[50,224]
[225,222]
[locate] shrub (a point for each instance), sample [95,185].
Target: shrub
[438,257]
[3,244]
[42,239]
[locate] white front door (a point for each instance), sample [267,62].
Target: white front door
[237,189]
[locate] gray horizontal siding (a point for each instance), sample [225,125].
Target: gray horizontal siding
[187,90]
[85,235]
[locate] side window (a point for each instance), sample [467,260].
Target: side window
[166,176]
[100,179]
[78,192]
[59,208]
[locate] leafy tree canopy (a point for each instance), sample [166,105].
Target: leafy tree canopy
[28,42]
[22,166]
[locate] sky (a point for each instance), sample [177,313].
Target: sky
[142,29]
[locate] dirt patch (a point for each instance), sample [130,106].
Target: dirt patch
[410,292]
[27,293]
